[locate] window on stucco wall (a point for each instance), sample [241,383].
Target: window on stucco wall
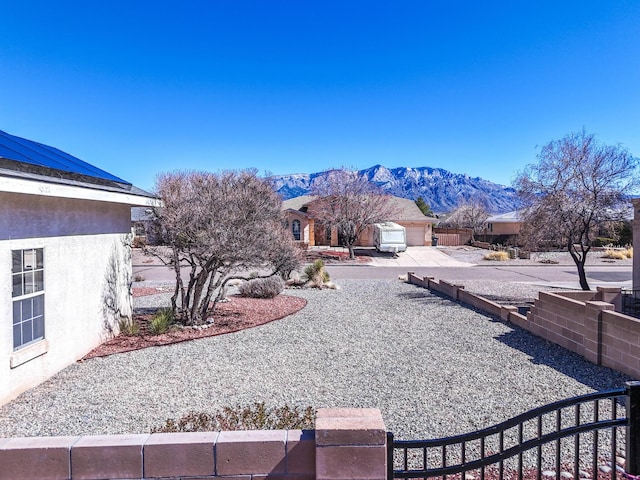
[27,296]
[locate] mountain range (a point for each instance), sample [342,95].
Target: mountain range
[442,190]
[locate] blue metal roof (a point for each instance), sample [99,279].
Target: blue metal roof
[27,151]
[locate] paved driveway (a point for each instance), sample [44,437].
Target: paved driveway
[417,257]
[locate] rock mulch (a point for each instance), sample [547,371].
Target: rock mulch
[434,368]
[239,313]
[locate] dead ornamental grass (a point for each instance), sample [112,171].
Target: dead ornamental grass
[618,253]
[497,256]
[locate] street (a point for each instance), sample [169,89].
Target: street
[563,276]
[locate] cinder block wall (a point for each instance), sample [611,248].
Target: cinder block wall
[347,444]
[591,328]
[620,342]
[558,319]
[584,322]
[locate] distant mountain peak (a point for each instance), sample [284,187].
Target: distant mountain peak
[439,188]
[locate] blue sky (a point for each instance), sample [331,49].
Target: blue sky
[295,86]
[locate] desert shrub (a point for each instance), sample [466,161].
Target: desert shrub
[603,241]
[255,417]
[161,321]
[139,242]
[624,233]
[316,274]
[269,287]
[497,256]
[618,254]
[614,254]
[128,326]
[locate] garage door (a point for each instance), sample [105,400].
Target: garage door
[415,236]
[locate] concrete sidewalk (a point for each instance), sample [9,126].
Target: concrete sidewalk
[417,257]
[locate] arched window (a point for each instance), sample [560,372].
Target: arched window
[295,228]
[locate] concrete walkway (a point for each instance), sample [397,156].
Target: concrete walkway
[417,257]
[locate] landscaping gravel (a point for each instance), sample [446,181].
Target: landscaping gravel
[434,368]
[512,293]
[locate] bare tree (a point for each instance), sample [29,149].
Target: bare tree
[348,201]
[577,186]
[217,227]
[471,213]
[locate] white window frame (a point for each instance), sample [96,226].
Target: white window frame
[27,297]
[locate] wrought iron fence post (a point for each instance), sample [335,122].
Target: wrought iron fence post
[389,456]
[632,462]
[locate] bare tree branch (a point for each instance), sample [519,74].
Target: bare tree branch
[578,186]
[349,202]
[469,214]
[218,226]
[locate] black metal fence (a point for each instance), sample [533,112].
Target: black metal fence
[581,437]
[631,302]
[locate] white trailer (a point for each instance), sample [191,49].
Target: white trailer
[389,237]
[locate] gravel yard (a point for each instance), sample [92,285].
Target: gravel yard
[476,256]
[433,367]
[520,293]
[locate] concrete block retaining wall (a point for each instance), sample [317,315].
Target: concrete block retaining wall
[587,323]
[620,341]
[347,444]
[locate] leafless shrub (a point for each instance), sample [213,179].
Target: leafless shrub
[262,287]
[218,227]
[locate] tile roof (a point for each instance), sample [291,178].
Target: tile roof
[507,217]
[405,210]
[408,211]
[297,203]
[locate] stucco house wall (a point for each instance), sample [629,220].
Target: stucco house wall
[29,216]
[508,223]
[307,235]
[87,277]
[418,234]
[77,275]
[74,232]
[503,228]
[404,212]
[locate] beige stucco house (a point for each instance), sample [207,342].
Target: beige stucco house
[306,230]
[504,227]
[65,268]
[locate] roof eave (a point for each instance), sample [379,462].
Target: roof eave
[47,189]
